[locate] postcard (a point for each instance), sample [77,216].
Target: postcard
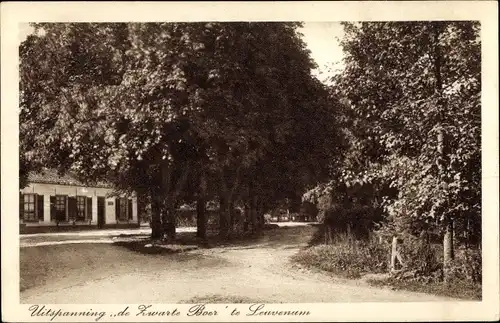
[250,161]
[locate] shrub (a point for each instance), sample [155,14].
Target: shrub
[309,209]
[467,266]
[350,260]
[361,220]
[422,258]
[425,261]
[187,218]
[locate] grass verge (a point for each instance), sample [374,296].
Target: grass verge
[345,260]
[456,289]
[356,260]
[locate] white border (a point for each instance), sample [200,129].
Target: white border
[485,11]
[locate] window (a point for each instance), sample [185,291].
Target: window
[29,210]
[60,208]
[31,207]
[80,208]
[60,203]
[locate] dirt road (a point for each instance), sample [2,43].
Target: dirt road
[259,272]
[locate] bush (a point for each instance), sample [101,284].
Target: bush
[187,218]
[361,220]
[345,259]
[422,258]
[425,262]
[467,266]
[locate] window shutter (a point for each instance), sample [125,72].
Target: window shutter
[117,208]
[130,209]
[89,208]
[21,205]
[52,208]
[72,208]
[39,207]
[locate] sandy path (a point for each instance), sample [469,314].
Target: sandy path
[258,272]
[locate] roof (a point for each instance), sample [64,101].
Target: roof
[51,176]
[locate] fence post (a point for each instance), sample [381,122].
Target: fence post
[395,255]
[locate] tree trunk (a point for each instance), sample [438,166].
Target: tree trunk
[425,237]
[448,249]
[141,207]
[169,223]
[232,217]
[253,216]
[156,221]
[247,216]
[171,196]
[224,217]
[468,234]
[253,211]
[259,214]
[201,216]
[201,219]
[441,150]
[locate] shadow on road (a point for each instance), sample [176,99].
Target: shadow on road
[143,248]
[272,237]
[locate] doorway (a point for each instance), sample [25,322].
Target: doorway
[101,212]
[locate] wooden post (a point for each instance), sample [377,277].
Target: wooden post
[395,255]
[448,252]
[328,234]
[349,233]
[394,250]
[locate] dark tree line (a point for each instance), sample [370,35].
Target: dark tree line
[412,114]
[179,112]
[229,112]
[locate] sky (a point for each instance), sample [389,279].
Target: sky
[321,38]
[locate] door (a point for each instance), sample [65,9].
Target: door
[100,212]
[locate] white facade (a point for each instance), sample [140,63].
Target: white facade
[44,204]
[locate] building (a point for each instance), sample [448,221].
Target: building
[56,203]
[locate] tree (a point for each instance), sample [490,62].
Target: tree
[162,109]
[413,96]
[80,89]
[52,66]
[264,94]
